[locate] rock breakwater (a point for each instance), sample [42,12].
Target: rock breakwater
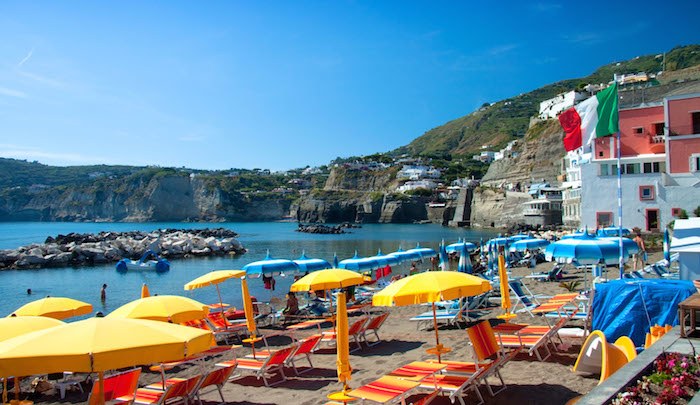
[77,249]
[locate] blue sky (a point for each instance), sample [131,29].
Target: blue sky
[279,85]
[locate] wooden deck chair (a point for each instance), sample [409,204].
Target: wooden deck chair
[183,388]
[305,348]
[373,327]
[263,367]
[216,378]
[119,388]
[354,332]
[384,390]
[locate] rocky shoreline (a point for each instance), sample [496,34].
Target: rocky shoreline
[77,249]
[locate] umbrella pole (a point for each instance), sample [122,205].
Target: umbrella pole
[330,307]
[17,388]
[437,337]
[101,376]
[221,302]
[4,390]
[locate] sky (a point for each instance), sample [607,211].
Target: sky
[285,84]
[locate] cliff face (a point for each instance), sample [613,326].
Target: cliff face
[160,198]
[539,157]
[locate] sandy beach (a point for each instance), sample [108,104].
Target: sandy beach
[529,380]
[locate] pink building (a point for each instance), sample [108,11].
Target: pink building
[660,159]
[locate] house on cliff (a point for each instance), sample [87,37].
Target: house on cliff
[660,162]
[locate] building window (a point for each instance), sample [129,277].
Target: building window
[646,193]
[603,219]
[696,122]
[604,170]
[675,212]
[638,130]
[695,162]
[652,167]
[659,128]
[630,168]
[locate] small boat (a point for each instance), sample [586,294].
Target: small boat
[149,261]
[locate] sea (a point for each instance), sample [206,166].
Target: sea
[279,239]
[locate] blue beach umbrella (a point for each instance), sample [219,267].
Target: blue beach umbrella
[457,247]
[405,255]
[627,243]
[585,250]
[482,252]
[519,236]
[444,259]
[465,262]
[385,260]
[358,263]
[494,243]
[307,264]
[667,247]
[335,261]
[423,252]
[612,231]
[528,244]
[270,266]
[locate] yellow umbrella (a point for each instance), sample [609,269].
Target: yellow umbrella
[327,280]
[215,278]
[54,307]
[343,347]
[144,291]
[19,325]
[431,287]
[162,308]
[99,344]
[505,291]
[249,313]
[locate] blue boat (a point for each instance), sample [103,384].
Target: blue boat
[149,261]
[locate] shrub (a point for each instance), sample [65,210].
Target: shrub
[696,211]
[683,214]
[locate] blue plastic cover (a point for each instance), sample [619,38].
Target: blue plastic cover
[624,307]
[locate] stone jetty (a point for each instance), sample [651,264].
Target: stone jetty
[322,229]
[77,249]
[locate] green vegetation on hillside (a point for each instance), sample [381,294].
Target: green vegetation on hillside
[493,126]
[14,173]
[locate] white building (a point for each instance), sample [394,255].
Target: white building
[417,172]
[416,184]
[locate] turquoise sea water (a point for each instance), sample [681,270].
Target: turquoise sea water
[279,238]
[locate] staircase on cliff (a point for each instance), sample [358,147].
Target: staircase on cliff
[463,208]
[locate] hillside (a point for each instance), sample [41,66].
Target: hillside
[495,125]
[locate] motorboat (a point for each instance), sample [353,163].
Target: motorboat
[149,261]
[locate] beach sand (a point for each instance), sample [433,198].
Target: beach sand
[529,380]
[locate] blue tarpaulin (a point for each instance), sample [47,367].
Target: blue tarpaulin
[630,307]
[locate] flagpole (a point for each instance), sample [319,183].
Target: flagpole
[619,194]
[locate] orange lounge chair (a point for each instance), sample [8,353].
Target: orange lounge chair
[490,357]
[261,368]
[373,326]
[384,390]
[216,378]
[174,391]
[304,348]
[118,388]
[183,388]
[533,338]
[354,332]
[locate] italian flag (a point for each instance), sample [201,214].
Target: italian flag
[593,118]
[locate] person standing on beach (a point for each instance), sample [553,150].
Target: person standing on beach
[639,256]
[103,293]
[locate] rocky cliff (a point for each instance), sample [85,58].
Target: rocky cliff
[139,199]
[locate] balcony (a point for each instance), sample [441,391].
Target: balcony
[657,139]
